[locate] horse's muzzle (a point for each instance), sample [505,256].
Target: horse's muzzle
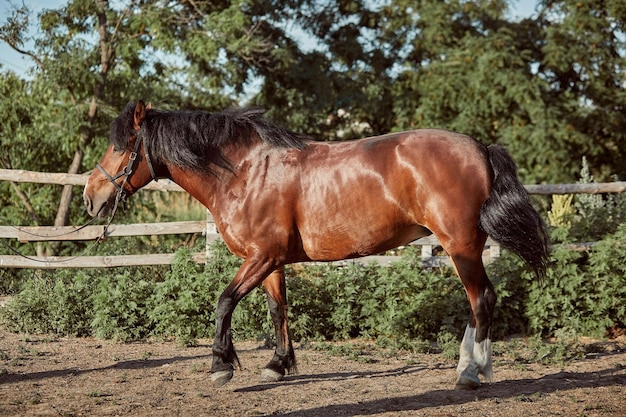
[98,207]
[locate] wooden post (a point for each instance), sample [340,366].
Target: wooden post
[427,251]
[209,232]
[494,251]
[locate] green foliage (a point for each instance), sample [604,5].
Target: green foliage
[511,280]
[326,302]
[402,300]
[585,218]
[596,214]
[179,305]
[564,348]
[555,302]
[57,303]
[607,269]
[449,345]
[28,311]
[119,306]
[583,292]
[550,86]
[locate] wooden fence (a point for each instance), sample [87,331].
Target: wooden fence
[49,233]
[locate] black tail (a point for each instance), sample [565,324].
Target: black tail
[508,216]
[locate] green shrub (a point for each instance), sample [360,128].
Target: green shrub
[179,305]
[250,319]
[119,304]
[28,311]
[583,293]
[511,280]
[554,302]
[407,300]
[183,304]
[56,303]
[402,300]
[449,345]
[607,273]
[70,306]
[595,215]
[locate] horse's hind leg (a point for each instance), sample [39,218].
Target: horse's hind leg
[475,356]
[284,359]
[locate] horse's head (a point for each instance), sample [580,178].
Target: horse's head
[124,168]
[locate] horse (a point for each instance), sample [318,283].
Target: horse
[279,197]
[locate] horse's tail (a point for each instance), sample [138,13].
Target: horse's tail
[509,217]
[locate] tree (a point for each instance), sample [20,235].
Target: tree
[521,84]
[89,60]
[584,62]
[549,87]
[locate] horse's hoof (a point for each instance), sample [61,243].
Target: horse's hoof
[467,384]
[219,378]
[269,375]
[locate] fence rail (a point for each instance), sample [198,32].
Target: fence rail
[49,233]
[19,175]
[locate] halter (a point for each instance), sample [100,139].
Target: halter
[126,172]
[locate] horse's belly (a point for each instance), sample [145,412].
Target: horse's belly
[342,243]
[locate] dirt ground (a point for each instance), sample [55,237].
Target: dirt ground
[49,376]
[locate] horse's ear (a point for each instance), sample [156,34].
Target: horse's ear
[140,114]
[149,106]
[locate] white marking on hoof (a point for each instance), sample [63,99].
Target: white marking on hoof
[269,375]
[467,382]
[468,377]
[482,357]
[219,378]
[467,350]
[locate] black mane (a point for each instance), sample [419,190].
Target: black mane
[195,139]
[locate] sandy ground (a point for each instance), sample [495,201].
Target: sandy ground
[51,376]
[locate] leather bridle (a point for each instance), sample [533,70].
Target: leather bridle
[126,172]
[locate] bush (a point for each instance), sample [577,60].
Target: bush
[402,300]
[511,280]
[607,272]
[583,293]
[179,305]
[56,303]
[554,302]
[119,307]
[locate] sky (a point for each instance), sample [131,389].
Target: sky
[9,59]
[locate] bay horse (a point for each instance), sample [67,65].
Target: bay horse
[279,198]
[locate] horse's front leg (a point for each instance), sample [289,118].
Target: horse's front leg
[284,359]
[252,272]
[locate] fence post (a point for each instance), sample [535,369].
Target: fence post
[210,229]
[427,251]
[494,251]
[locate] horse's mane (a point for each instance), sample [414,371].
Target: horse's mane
[194,139]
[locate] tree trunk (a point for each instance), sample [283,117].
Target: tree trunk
[63,213]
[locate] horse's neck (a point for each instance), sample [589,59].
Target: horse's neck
[204,187]
[210,188]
